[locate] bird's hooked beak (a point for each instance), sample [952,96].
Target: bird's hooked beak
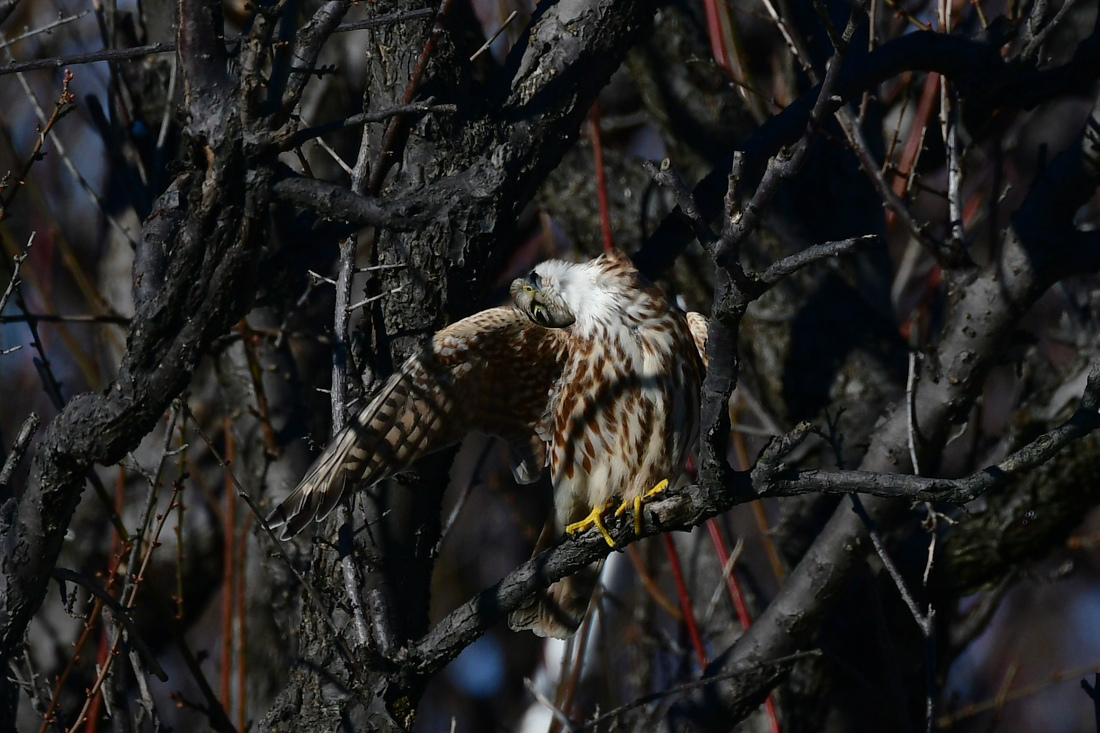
[540,307]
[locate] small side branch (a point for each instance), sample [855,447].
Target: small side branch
[64,575]
[810,255]
[663,175]
[414,108]
[19,448]
[66,103]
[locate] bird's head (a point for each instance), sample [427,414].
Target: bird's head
[557,294]
[541,295]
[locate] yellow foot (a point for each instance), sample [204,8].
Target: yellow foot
[656,489]
[595,518]
[636,505]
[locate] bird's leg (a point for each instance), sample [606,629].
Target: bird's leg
[594,518]
[636,505]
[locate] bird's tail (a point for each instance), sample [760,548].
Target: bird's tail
[559,610]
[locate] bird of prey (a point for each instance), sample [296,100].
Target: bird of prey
[592,372]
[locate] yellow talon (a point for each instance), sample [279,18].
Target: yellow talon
[595,518]
[657,489]
[636,505]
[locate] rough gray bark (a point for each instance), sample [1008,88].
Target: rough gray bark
[445,194]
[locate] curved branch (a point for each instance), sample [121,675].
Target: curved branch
[688,507]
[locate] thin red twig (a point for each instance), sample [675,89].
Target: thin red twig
[650,584]
[398,128]
[127,602]
[907,165]
[739,606]
[97,701]
[89,626]
[685,600]
[601,179]
[718,50]
[119,549]
[732,583]
[249,341]
[116,551]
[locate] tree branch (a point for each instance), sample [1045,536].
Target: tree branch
[686,508]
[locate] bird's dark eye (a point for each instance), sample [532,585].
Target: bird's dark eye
[534,280]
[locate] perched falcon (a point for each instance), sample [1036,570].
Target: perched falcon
[592,372]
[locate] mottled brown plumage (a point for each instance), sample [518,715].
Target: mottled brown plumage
[491,372]
[593,372]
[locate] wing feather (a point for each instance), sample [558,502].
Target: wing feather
[697,322]
[492,372]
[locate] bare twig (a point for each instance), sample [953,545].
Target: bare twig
[969,710]
[413,108]
[122,54]
[115,54]
[372,299]
[787,163]
[923,622]
[1038,39]
[47,29]
[949,126]
[665,176]
[489,42]
[810,255]
[63,575]
[707,679]
[19,448]
[13,283]
[306,586]
[340,354]
[727,571]
[1093,691]
[568,723]
[849,123]
[65,104]
[911,403]
[958,491]
[106,319]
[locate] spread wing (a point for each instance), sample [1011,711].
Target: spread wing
[491,373]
